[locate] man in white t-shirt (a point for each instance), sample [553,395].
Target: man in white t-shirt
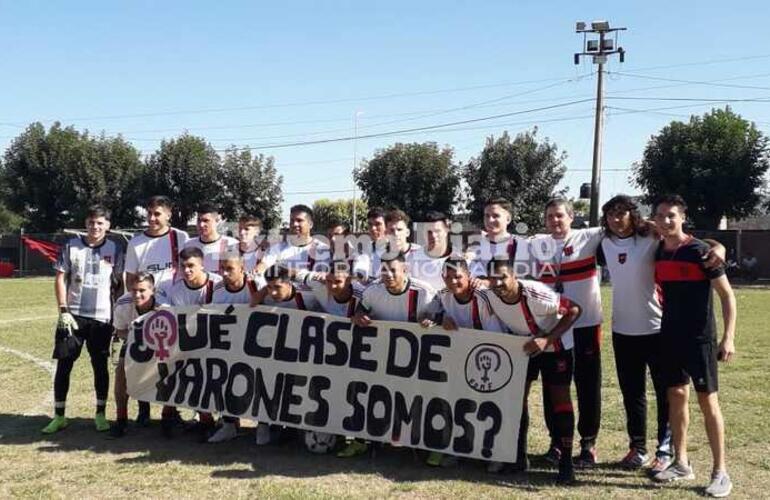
[366,261]
[214,246]
[496,242]
[300,250]
[428,261]
[336,291]
[251,249]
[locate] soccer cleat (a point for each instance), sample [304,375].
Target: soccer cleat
[449,461]
[566,474]
[553,456]
[58,423]
[204,430]
[143,417]
[520,465]
[586,459]
[227,432]
[263,436]
[353,449]
[659,464]
[117,430]
[677,471]
[720,485]
[100,422]
[434,459]
[495,467]
[634,459]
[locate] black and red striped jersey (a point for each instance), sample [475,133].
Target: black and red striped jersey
[475,313]
[300,299]
[511,247]
[409,305]
[688,313]
[329,304]
[223,295]
[158,255]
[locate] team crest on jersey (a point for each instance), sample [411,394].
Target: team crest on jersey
[160,333]
[568,250]
[622,258]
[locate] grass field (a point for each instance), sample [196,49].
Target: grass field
[79,462]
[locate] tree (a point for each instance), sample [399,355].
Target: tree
[251,185]
[524,171]
[51,177]
[416,178]
[716,162]
[186,169]
[327,212]
[581,207]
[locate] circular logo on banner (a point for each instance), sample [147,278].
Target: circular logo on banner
[488,368]
[160,333]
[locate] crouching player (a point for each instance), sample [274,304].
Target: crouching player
[459,306]
[235,288]
[138,301]
[531,308]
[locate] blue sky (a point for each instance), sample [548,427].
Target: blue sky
[258,74]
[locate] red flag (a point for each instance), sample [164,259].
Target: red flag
[48,249]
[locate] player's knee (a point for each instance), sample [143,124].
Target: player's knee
[678,395]
[709,404]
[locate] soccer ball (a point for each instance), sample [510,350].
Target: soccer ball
[320,442]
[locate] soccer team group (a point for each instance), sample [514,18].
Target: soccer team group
[545,287]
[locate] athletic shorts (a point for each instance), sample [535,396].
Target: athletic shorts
[693,361]
[94,334]
[556,367]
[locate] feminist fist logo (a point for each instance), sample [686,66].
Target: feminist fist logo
[488,368]
[160,333]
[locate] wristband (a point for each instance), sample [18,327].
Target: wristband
[62,309]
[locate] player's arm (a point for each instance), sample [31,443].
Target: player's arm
[432,313]
[729,313]
[571,312]
[60,289]
[361,316]
[716,255]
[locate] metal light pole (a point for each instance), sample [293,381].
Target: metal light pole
[598,50]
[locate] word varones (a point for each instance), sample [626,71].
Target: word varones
[373,411]
[317,340]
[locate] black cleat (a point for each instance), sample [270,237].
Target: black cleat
[566,474]
[117,430]
[167,428]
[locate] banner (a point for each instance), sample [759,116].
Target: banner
[457,392]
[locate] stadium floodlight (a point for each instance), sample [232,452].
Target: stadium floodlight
[580,26]
[600,25]
[592,46]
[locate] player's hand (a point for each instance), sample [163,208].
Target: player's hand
[67,322]
[726,350]
[427,323]
[715,257]
[480,283]
[535,346]
[362,320]
[321,277]
[449,323]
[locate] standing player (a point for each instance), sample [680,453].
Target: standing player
[565,259]
[688,332]
[367,258]
[532,309]
[235,288]
[497,242]
[138,301]
[87,269]
[429,260]
[250,249]
[395,297]
[300,250]
[213,245]
[195,288]
[335,291]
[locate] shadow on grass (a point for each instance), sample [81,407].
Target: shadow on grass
[288,459]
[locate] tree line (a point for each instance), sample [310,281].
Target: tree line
[717,162]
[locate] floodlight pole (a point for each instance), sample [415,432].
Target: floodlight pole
[599,55]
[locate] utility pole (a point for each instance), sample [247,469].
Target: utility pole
[599,49]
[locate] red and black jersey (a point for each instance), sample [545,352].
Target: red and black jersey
[688,313]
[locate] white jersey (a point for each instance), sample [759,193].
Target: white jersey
[426,268]
[125,312]
[636,306]
[367,265]
[476,313]
[313,256]
[251,259]
[537,312]
[223,295]
[180,294]
[570,263]
[329,304]
[214,251]
[299,299]
[409,305]
[513,247]
[158,255]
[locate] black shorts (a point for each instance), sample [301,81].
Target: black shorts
[94,334]
[696,361]
[556,367]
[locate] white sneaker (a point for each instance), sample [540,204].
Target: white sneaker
[227,432]
[263,434]
[720,486]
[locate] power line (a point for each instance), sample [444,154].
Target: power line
[695,82]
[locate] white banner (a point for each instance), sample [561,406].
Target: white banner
[457,392]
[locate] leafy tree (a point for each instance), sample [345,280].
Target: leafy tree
[327,212]
[9,221]
[524,171]
[716,162]
[251,185]
[580,207]
[186,169]
[416,178]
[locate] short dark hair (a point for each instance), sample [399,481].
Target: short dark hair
[302,208]
[144,276]
[338,222]
[670,199]
[393,257]
[159,201]
[277,272]
[207,208]
[96,211]
[436,216]
[560,201]
[494,266]
[502,202]
[250,221]
[191,252]
[397,215]
[625,202]
[375,213]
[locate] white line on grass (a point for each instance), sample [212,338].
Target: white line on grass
[19,320]
[40,363]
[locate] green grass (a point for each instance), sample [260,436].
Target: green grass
[80,462]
